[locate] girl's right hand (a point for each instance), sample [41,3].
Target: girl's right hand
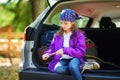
[60,51]
[45,56]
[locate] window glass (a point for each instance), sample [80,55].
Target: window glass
[81,23]
[55,19]
[115,22]
[96,25]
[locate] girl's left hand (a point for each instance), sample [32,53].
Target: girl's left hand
[60,51]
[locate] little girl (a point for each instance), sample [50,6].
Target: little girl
[68,47]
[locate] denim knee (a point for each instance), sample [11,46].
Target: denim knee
[74,64]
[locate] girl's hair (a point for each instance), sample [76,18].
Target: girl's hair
[73,28]
[61,31]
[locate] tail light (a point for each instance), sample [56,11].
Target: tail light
[24,36]
[27,33]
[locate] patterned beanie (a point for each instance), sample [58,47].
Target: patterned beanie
[68,15]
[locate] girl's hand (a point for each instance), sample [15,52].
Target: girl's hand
[60,51]
[45,56]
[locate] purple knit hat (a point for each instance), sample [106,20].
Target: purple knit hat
[68,15]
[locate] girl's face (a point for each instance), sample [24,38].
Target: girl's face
[66,25]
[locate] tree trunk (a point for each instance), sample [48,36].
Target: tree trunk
[37,7]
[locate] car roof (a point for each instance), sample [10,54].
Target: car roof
[52,2]
[91,8]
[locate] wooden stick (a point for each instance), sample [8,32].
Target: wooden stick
[52,54]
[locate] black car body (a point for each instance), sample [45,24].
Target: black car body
[39,34]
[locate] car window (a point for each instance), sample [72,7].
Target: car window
[96,25]
[116,21]
[55,19]
[80,23]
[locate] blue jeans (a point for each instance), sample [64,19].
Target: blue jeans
[69,66]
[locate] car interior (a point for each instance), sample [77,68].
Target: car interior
[101,23]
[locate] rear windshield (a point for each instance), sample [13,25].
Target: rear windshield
[80,23]
[115,23]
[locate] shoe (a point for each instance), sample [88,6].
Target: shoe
[90,66]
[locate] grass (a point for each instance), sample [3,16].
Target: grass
[9,73]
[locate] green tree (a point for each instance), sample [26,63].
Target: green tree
[23,17]
[16,13]
[37,7]
[20,13]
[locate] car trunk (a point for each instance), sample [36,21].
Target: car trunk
[107,42]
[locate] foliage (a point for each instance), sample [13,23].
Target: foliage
[23,17]
[6,17]
[16,13]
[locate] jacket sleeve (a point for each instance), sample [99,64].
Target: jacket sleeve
[51,48]
[80,47]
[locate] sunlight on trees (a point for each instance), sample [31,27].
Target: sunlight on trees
[16,13]
[3,1]
[20,13]
[6,17]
